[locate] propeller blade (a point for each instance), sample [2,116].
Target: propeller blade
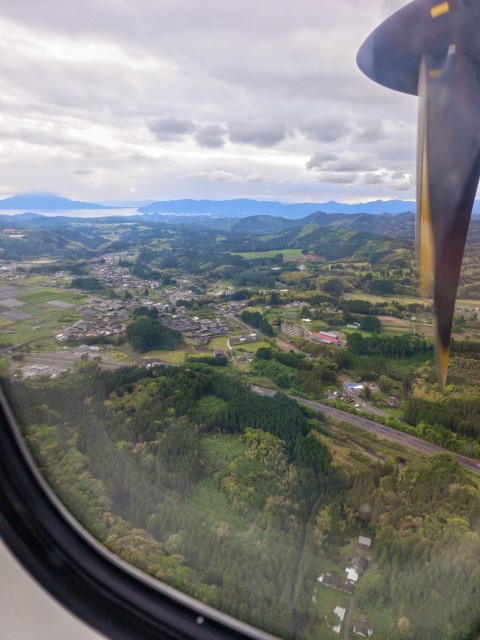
[424,234]
[432,49]
[453,159]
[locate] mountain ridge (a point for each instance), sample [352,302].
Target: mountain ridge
[243,207]
[46,202]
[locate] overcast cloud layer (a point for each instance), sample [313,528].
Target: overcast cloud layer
[153,99]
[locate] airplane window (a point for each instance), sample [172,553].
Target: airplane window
[234,404]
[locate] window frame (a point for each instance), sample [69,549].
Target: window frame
[95,585]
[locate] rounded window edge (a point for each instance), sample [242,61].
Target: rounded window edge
[104,591]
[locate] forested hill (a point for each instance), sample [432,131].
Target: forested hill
[331,243]
[399,225]
[189,475]
[236,499]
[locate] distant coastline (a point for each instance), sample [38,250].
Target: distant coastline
[77,213]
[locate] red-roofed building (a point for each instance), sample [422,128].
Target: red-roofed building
[327,338]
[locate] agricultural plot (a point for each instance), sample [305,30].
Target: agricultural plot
[391,325]
[15,316]
[172,357]
[35,280]
[60,303]
[47,295]
[218,344]
[9,292]
[288,254]
[35,319]
[11,303]
[252,347]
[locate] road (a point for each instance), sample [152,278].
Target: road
[379,429]
[347,621]
[365,406]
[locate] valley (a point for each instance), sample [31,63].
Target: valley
[236,408]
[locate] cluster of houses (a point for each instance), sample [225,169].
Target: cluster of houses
[96,323]
[200,329]
[348,584]
[356,567]
[111,274]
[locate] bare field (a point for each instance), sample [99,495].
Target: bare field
[390,321]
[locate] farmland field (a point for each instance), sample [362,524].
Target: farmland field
[173,357]
[218,343]
[252,347]
[46,295]
[288,254]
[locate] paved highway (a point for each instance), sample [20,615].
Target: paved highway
[378,429]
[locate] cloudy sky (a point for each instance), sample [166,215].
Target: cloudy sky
[153,99]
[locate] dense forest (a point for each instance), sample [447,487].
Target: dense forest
[219,484]
[145,334]
[427,524]
[239,501]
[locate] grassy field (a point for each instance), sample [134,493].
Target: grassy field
[218,343]
[46,295]
[370,297]
[35,280]
[327,599]
[461,302]
[252,347]
[288,254]
[121,356]
[45,344]
[174,357]
[24,331]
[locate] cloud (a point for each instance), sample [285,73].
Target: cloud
[401,181]
[219,176]
[84,172]
[400,186]
[371,132]
[326,128]
[102,90]
[254,177]
[336,178]
[211,136]
[373,178]
[258,132]
[318,160]
[171,128]
[348,162]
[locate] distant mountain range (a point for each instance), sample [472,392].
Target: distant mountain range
[46,202]
[244,207]
[237,208]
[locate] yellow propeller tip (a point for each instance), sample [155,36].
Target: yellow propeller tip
[442,355]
